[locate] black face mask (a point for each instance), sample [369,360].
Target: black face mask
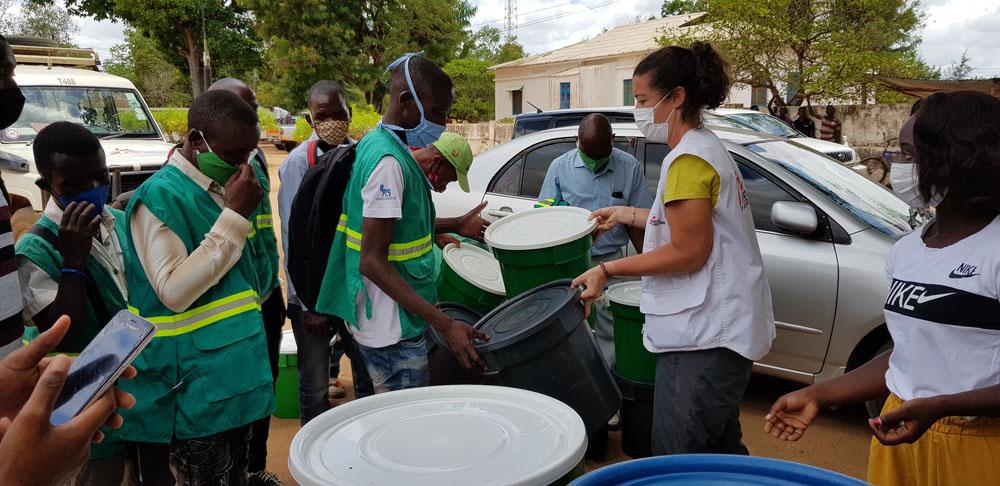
[11,104]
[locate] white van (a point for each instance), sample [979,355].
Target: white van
[62,84]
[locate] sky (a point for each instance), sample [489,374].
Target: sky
[950,27]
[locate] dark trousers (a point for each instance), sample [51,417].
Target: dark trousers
[220,459]
[273,310]
[696,402]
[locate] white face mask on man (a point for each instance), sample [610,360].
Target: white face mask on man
[644,119]
[906,184]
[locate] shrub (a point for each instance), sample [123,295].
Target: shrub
[267,120]
[172,121]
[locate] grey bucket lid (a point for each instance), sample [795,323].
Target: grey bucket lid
[521,317]
[626,293]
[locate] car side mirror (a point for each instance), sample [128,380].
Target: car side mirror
[796,217]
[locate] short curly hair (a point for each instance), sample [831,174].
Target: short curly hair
[957,149]
[65,138]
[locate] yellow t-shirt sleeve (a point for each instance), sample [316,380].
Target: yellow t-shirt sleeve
[691,177]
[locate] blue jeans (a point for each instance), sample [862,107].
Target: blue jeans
[314,366]
[398,367]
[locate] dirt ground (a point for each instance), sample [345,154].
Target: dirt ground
[838,440]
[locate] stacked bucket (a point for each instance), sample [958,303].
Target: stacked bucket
[634,370]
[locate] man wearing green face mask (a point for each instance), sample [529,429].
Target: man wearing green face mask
[191,271]
[591,176]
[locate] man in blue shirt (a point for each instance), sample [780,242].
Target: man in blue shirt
[595,176]
[330,118]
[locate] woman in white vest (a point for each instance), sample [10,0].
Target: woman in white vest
[705,296]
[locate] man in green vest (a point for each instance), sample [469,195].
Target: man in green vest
[74,251]
[380,274]
[264,244]
[190,270]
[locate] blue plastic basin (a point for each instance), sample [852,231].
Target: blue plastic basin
[713,470]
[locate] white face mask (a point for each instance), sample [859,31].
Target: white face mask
[654,132]
[906,185]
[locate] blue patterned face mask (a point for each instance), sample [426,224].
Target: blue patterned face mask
[426,132]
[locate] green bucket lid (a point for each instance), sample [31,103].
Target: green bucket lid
[540,228]
[626,293]
[476,266]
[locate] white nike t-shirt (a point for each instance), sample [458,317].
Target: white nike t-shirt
[943,311]
[382,196]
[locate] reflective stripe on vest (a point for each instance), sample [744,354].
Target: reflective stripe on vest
[264,221]
[202,316]
[544,203]
[398,252]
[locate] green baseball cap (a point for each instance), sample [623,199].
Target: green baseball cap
[456,150]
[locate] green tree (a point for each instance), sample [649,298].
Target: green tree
[177,27]
[473,89]
[140,60]
[832,49]
[48,21]
[352,41]
[679,7]
[510,51]
[962,68]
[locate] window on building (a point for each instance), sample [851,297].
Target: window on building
[563,96]
[515,102]
[758,96]
[628,99]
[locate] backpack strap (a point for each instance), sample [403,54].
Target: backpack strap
[93,294]
[311,152]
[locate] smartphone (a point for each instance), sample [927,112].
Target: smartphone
[101,363]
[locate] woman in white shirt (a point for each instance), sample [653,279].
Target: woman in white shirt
[943,312]
[705,297]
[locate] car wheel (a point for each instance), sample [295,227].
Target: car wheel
[874,407]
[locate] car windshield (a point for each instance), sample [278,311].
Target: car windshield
[107,112]
[866,200]
[717,121]
[767,124]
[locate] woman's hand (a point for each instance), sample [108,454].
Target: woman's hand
[907,423]
[608,218]
[791,415]
[593,281]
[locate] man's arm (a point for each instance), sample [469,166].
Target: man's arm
[179,278]
[550,186]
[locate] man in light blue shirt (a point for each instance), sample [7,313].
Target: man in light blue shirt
[330,118]
[594,176]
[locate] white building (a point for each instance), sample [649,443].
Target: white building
[593,73]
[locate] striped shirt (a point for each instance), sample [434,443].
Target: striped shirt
[11,322]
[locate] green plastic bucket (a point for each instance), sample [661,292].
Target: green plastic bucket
[286,389]
[470,276]
[542,245]
[634,362]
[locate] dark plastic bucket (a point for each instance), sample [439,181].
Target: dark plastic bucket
[636,415]
[442,365]
[540,342]
[713,470]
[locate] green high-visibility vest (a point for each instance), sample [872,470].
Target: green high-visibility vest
[36,249]
[40,252]
[206,371]
[412,240]
[263,244]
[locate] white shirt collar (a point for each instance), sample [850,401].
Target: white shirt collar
[188,168]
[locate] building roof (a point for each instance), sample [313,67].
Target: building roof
[922,88]
[623,40]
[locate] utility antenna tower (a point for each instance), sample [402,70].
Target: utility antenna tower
[511,20]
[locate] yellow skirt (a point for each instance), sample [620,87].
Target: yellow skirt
[954,451]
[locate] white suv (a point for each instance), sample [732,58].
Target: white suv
[762,122]
[109,106]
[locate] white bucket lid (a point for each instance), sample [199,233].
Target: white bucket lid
[476,266]
[440,435]
[626,293]
[288,345]
[540,228]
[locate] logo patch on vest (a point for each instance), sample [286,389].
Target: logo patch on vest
[385,192]
[655,221]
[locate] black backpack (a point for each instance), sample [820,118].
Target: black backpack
[313,221]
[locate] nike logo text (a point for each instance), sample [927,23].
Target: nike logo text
[964,271]
[906,295]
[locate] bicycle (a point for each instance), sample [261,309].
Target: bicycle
[878,168]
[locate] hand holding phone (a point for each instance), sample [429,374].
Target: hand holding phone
[107,356]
